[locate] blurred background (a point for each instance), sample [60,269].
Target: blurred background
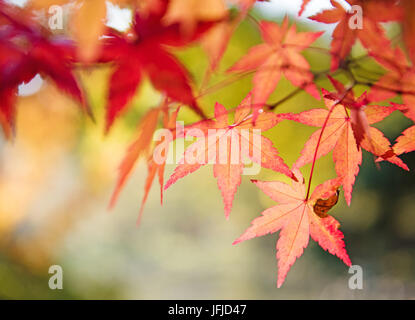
[56,179]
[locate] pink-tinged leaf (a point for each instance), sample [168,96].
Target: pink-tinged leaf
[295,217]
[293,240]
[327,234]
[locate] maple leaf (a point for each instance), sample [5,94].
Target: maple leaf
[26,50]
[338,135]
[228,162]
[344,37]
[295,217]
[143,52]
[279,54]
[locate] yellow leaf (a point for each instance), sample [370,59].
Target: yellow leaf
[88,26]
[189,12]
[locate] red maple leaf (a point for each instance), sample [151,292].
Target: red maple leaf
[143,51]
[339,136]
[295,217]
[344,36]
[279,54]
[27,49]
[232,144]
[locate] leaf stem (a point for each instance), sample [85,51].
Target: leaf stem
[321,135]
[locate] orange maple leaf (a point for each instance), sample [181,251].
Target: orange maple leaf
[229,139]
[338,135]
[295,217]
[188,13]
